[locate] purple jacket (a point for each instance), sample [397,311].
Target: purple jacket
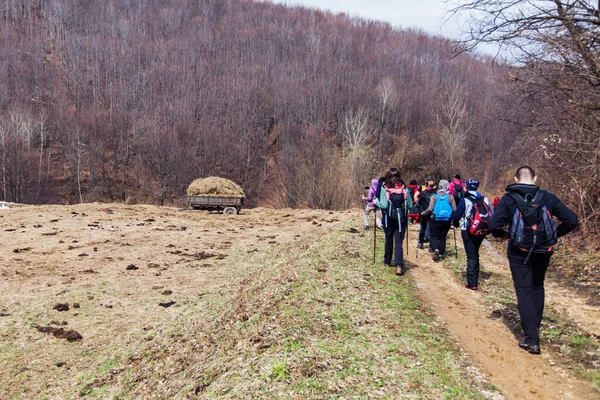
[372,193]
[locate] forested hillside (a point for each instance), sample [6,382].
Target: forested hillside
[120,100]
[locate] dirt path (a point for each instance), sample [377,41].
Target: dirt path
[488,341]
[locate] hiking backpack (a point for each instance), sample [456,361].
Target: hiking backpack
[478,218]
[533,228]
[459,192]
[442,211]
[424,199]
[396,206]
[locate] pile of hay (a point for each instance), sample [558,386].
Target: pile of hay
[213,186]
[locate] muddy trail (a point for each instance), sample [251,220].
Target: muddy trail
[492,346]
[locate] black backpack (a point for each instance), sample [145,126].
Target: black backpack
[459,193]
[425,199]
[533,228]
[396,207]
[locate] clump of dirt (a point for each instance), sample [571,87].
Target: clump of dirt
[131,267]
[89,271]
[60,333]
[61,307]
[167,304]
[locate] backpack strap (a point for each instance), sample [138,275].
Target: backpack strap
[539,195]
[475,200]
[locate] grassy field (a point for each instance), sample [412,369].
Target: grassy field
[305,318]
[315,320]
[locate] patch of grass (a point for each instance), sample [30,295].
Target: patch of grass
[552,332]
[596,379]
[279,370]
[580,341]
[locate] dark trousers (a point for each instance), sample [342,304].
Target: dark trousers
[472,244]
[529,287]
[393,243]
[439,232]
[423,228]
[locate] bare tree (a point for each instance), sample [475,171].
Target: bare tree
[454,124]
[76,151]
[555,48]
[388,95]
[356,127]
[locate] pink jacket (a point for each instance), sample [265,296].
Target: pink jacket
[453,184]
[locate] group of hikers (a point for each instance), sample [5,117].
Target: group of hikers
[524,215]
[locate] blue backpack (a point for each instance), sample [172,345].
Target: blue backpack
[442,211]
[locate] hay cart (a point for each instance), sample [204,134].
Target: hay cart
[227,205]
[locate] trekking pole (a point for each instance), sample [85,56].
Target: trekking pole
[418,241]
[407,237]
[374,232]
[405,207]
[364,213]
[455,247]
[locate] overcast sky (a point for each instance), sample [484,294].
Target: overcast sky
[425,14]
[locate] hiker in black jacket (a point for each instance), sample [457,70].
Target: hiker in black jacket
[528,263]
[423,203]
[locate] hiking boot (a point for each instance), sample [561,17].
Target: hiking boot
[441,257]
[531,348]
[420,245]
[367,227]
[471,287]
[436,255]
[399,270]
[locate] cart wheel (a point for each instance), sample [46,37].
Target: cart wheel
[229,211]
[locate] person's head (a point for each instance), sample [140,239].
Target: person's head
[392,178]
[443,186]
[430,182]
[457,176]
[472,184]
[413,182]
[525,175]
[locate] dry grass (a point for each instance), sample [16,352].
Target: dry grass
[269,304]
[213,186]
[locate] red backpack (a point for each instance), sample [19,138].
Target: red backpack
[479,217]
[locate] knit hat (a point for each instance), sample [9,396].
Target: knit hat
[443,186]
[472,184]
